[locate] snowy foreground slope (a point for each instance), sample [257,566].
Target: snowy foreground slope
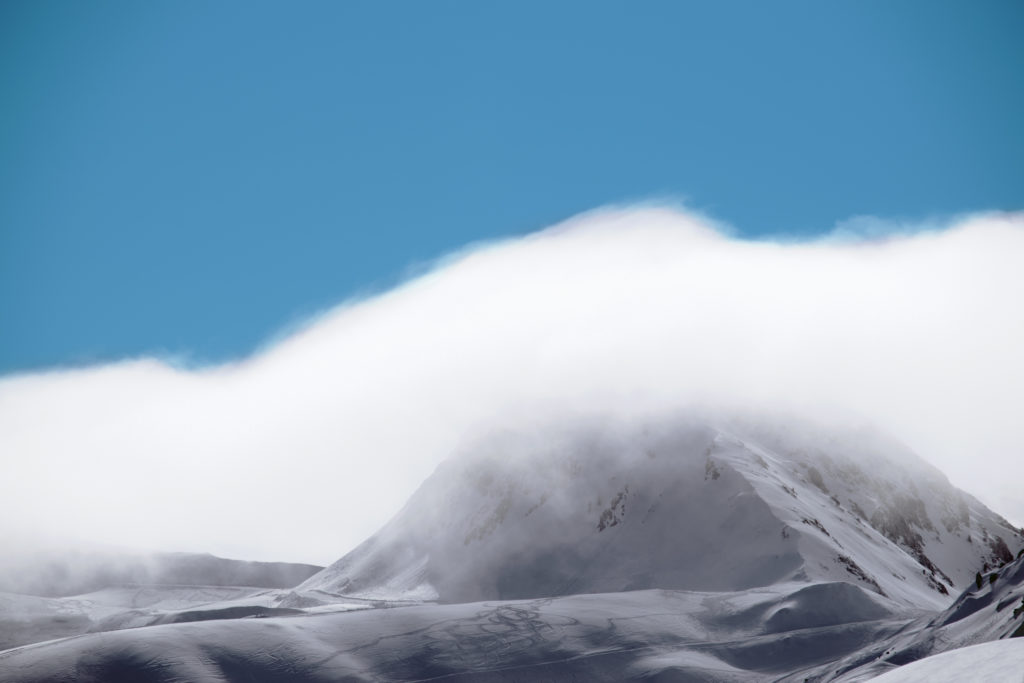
[996,661]
[719,551]
[607,637]
[790,632]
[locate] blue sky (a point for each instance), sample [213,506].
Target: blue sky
[189,179]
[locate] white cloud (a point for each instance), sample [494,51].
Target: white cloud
[305,449]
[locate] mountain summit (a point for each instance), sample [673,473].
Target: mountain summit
[693,505]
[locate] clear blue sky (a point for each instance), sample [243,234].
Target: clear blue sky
[190,178]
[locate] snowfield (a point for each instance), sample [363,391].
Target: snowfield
[605,637]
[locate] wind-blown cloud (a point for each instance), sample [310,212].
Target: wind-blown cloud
[303,450]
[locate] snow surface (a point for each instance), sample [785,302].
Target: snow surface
[26,619]
[601,637]
[787,632]
[996,662]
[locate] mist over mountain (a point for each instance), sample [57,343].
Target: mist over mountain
[711,546]
[56,593]
[628,447]
[621,311]
[56,573]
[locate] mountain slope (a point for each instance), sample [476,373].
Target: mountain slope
[695,505]
[991,611]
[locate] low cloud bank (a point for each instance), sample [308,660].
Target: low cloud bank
[303,450]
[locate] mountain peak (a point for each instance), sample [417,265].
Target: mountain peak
[684,504]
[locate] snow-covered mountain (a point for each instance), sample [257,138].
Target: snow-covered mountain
[694,505]
[695,549]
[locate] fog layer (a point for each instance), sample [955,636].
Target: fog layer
[303,450]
